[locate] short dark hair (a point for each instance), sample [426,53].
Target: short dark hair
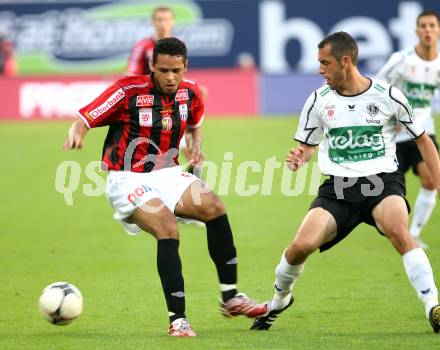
[169,46]
[342,44]
[428,13]
[161,9]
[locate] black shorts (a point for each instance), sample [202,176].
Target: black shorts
[409,156]
[353,205]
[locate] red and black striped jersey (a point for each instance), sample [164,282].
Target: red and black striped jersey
[140,57]
[145,125]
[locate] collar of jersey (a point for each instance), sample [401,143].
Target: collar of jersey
[156,89]
[360,93]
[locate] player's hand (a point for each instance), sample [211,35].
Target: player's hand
[75,135]
[295,158]
[197,156]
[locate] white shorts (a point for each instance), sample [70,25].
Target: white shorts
[126,191]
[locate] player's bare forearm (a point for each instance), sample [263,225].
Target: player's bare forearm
[430,156]
[76,134]
[299,155]
[197,156]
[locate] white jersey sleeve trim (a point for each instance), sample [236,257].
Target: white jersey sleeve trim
[83,119]
[409,124]
[198,124]
[300,135]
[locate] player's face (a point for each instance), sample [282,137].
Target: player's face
[330,68]
[168,72]
[428,30]
[163,23]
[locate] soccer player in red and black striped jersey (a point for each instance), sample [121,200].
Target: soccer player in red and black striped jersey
[139,62]
[147,116]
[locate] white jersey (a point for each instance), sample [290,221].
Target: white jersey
[418,79]
[356,134]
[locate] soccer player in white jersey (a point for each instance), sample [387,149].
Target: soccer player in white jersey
[416,71]
[353,120]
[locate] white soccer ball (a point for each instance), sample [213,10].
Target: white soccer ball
[61,303]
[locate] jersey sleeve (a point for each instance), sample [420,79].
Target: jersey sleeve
[104,109]
[310,127]
[197,109]
[390,72]
[404,113]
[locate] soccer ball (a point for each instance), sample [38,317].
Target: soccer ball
[61,303]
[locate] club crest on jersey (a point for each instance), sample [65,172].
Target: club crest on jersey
[144,101]
[372,110]
[183,111]
[145,117]
[181,95]
[167,122]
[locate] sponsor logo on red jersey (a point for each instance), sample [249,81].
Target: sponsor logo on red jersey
[167,122]
[109,103]
[144,101]
[145,117]
[183,111]
[181,95]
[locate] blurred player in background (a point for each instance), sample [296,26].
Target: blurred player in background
[148,115]
[416,71]
[139,62]
[142,53]
[8,65]
[353,120]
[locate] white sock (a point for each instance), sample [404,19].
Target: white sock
[420,275]
[286,275]
[423,208]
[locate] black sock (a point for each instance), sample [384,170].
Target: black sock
[222,251]
[170,272]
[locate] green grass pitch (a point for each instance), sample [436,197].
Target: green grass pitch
[356,296]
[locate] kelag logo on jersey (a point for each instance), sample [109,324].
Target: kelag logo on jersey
[419,95]
[355,143]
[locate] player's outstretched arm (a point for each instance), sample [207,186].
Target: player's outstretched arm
[76,135]
[297,156]
[430,156]
[195,150]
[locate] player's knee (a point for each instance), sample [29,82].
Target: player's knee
[397,231]
[298,252]
[212,208]
[165,227]
[427,183]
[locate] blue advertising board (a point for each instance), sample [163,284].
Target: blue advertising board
[279,36]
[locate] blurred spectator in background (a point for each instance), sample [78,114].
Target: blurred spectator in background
[8,66]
